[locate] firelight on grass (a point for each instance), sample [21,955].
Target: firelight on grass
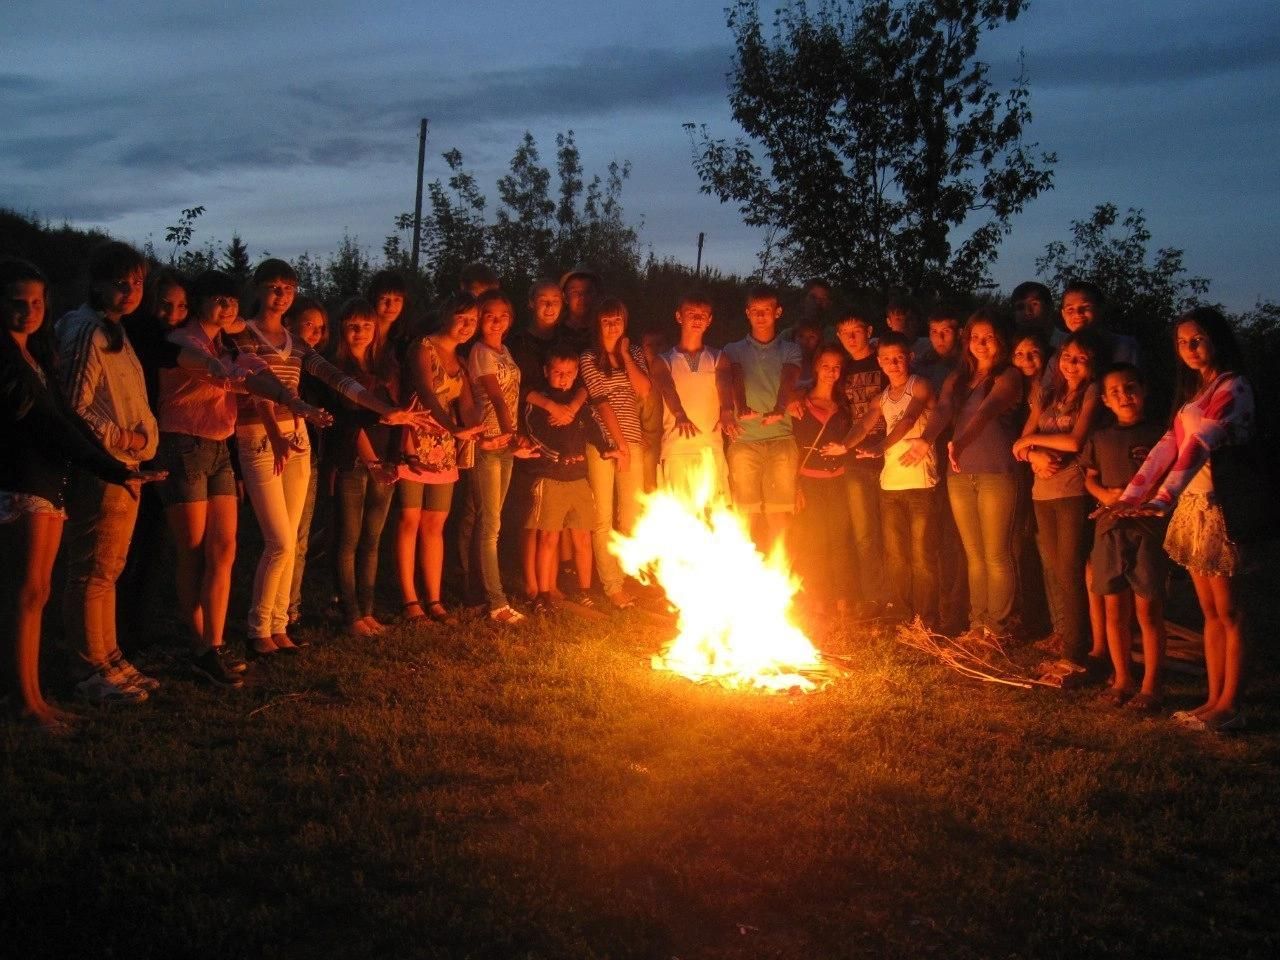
[734,605]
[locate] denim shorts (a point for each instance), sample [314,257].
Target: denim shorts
[762,475]
[199,468]
[432,497]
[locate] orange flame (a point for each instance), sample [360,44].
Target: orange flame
[734,604]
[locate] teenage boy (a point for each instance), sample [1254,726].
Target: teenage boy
[1033,309]
[908,476]
[1083,304]
[901,316]
[763,369]
[581,288]
[691,378]
[559,496]
[943,356]
[860,385]
[1128,559]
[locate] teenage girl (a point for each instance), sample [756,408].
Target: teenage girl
[981,398]
[1061,417]
[363,475]
[495,385]
[274,450]
[1215,410]
[41,440]
[821,535]
[308,320]
[435,378]
[617,380]
[197,415]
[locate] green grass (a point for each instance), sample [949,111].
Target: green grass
[541,792]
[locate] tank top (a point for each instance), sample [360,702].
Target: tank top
[1059,417]
[696,389]
[895,476]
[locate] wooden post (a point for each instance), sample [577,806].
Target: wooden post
[697,271]
[417,203]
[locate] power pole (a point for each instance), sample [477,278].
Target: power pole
[417,203]
[697,271]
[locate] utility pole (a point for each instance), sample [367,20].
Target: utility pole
[697,271]
[417,203]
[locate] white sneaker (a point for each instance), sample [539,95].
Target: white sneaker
[133,674]
[109,686]
[507,615]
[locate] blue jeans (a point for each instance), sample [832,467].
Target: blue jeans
[303,544]
[907,524]
[983,507]
[820,539]
[862,490]
[490,478]
[1061,535]
[362,504]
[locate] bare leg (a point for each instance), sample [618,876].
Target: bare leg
[408,531]
[1119,636]
[219,558]
[548,555]
[1214,643]
[43,536]
[187,522]
[531,561]
[1231,662]
[1097,617]
[431,551]
[1154,641]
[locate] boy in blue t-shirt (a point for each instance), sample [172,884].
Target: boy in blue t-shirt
[559,494]
[764,369]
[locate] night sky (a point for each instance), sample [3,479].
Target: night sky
[291,121]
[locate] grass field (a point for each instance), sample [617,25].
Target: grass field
[540,792]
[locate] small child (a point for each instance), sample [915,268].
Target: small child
[907,479]
[1129,563]
[560,496]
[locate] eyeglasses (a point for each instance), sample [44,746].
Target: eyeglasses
[223,302]
[280,289]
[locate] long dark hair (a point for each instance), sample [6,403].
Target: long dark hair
[1091,342]
[39,344]
[970,365]
[609,307]
[111,261]
[1227,356]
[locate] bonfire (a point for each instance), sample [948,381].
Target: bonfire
[734,605]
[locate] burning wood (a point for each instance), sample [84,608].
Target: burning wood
[734,606]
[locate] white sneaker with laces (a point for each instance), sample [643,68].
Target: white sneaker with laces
[507,615]
[109,686]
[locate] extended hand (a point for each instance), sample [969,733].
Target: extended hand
[686,427]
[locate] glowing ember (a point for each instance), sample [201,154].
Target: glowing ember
[734,604]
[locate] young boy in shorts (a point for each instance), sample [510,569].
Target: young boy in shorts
[559,494]
[1129,563]
[762,452]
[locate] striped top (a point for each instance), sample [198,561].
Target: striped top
[107,390]
[287,362]
[616,390]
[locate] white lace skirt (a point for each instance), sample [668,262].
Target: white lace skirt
[1197,537]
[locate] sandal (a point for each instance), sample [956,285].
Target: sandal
[439,613]
[408,617]
[1117,696]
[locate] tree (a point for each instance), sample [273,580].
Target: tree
[1142,297]
[522,236]
[235,258]
[872,134]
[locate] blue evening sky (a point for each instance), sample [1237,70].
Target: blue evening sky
[290,121]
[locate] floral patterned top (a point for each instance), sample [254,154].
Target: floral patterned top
[440,453]
[1220,416]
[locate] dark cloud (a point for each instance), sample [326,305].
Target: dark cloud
[1202,59]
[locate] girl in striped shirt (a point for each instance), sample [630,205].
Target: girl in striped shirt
[274,450]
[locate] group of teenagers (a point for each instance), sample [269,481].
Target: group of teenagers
[981,478]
